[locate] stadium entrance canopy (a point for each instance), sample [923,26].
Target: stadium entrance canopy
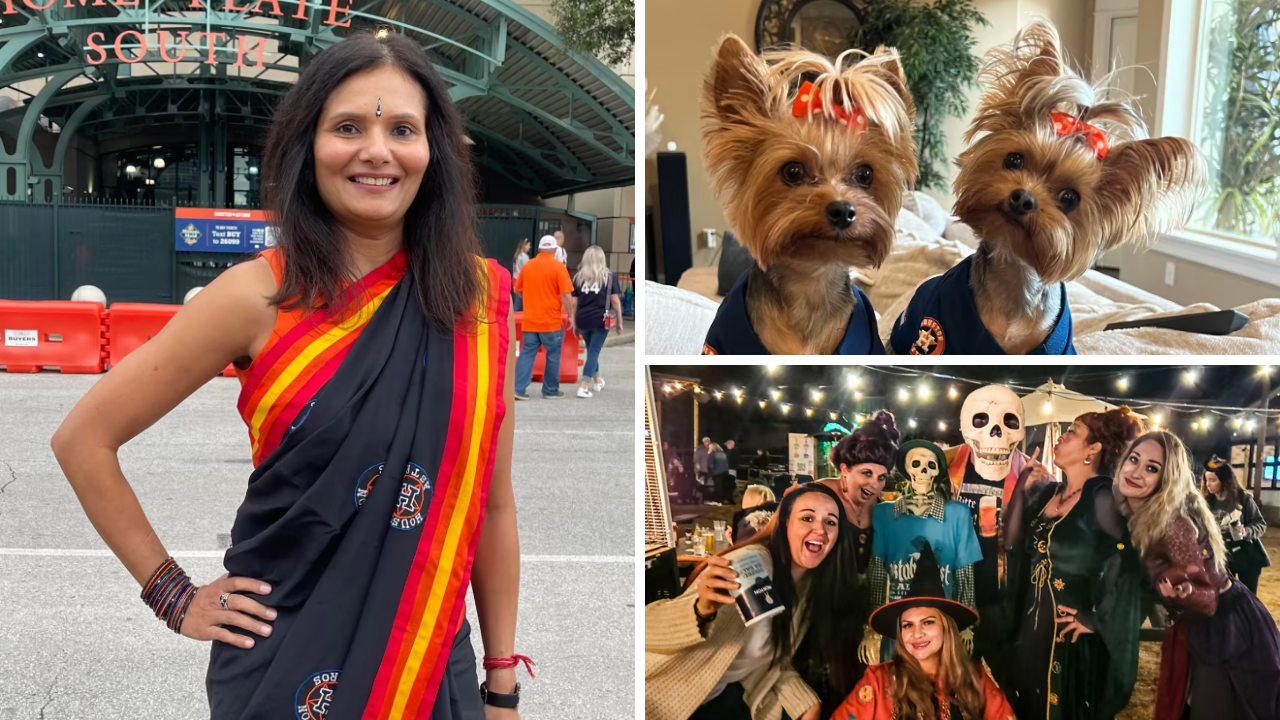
[195,82]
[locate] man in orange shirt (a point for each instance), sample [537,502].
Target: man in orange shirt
[545,288]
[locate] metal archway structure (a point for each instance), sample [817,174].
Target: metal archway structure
[549,120]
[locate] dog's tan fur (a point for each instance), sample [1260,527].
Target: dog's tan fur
[1142,187]
[798,295]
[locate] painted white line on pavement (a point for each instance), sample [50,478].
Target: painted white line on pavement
[69,552]
[568,431]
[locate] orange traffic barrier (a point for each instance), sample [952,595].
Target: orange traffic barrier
[570,355]
[129,325]
[62,334]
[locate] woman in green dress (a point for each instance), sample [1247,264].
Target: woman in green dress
[1075,579]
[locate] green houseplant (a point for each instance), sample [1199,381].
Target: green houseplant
[935,40]
[604,28]
[1242,120]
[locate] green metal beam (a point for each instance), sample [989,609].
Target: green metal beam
[17,41]
[583,133]
[575,90]
[571,161]
[525,150]
[69,130]
[31,118]
[542,29]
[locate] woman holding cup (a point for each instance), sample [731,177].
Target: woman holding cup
[731,649]
[1241,523]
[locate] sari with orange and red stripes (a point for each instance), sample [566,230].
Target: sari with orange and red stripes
[368,575]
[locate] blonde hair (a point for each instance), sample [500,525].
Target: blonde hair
[1175,496]
[911,690]
[760,494]
[593,270]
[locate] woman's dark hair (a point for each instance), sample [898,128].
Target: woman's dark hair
[833,614]
[440,240]
[875,442]
[1114,430]
[1231,489]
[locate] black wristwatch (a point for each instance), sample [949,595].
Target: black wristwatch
[502,700]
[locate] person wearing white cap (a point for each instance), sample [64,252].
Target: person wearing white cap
[546,290]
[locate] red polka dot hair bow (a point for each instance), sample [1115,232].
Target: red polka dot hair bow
[1064,124]
[809,102]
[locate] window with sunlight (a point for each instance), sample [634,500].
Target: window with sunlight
[1239,124]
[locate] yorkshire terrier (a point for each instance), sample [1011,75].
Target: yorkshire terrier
[1053,176]
[811,158]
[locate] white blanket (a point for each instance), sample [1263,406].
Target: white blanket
[929,243]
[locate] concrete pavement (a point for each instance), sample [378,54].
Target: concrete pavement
[76,642]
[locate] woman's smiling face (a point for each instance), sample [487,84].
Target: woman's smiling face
[1140,471]
[863,482]
[921,631]
[812,529]
[371,149]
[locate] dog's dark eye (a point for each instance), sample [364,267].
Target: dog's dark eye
[1068,200]
[863,174]
[1013,161]
[793,173]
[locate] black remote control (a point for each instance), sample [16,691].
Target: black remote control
[1221,322]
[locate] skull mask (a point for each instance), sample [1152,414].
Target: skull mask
[922,466]
[991,422]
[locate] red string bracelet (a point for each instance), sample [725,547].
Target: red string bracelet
[491,663]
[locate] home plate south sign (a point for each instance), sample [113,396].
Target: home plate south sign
[231,231]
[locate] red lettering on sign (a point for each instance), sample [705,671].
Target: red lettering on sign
[182,36]
[231,7]
[240,48]
[31,4]
[94,46]
[333,11]
[8,8]
[275,12]
[302,10]
[124,56]
[212,47]
[96,3]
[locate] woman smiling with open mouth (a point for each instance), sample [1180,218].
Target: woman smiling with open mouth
[703,662]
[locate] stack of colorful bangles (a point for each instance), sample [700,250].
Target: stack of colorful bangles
[169,593]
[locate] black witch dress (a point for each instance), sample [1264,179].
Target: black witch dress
[1082,560]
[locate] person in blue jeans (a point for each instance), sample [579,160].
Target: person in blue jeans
[546,289]
[595,289]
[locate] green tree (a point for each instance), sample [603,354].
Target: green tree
[936,43]
[1243,120]
[603,28]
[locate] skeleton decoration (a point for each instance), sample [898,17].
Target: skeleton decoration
[991,422]
[922,468]
[924,513]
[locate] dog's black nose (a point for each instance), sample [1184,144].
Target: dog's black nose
[1022,202]
[841,214]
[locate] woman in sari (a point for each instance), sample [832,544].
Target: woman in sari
[372,342]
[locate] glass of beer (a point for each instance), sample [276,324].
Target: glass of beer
[987,515]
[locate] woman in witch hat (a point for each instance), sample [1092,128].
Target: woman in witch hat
[931,676]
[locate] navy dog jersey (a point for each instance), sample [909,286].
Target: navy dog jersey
[943,319]
[731,332]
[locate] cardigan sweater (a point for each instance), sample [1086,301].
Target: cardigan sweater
[682,667]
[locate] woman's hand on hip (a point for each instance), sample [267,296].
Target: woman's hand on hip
[206,617]
[714,585]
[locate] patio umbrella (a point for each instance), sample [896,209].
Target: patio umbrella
[1051,404]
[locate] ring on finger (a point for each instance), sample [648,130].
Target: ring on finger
[223,600]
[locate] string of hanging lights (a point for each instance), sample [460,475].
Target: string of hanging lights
[923,393]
